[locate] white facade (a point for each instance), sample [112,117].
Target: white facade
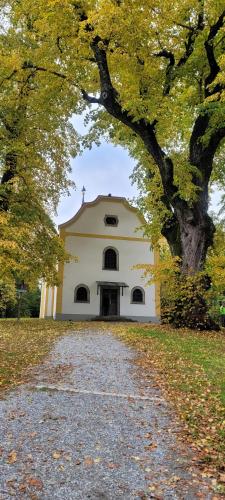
[111,286]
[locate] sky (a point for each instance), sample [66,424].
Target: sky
[102,170]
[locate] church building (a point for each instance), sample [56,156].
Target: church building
[107,241]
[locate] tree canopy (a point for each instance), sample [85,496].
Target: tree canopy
[37,140]
[155,73]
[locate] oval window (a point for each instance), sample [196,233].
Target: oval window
[111,220]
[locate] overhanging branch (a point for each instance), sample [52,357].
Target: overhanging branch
[172,67]
[192,35]
[210,51]
[110,99]
[169,70]
[89,98]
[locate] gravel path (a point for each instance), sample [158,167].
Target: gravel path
[87,427]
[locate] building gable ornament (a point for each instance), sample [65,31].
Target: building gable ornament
[110,199]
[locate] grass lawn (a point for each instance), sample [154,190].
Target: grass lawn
[24,343]
[190,368]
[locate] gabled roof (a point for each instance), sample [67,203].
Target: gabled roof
[110,199]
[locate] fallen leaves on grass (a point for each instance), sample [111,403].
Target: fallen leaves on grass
[188,366]
[25,343]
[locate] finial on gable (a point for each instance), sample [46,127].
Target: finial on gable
[83,191]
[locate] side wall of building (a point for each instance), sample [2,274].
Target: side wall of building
[48,301]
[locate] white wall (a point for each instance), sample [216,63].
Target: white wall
[88,270]
[92,220]
[54,301]
[49,309]
[43,299]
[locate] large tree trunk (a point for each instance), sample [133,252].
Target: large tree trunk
[189,234]
[196,236]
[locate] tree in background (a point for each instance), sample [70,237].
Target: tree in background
[36,143]
[29,307]
[7,296]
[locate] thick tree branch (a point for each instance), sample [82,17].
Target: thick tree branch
[85,95]
[109,98]
[185,26]
[107,89]
[169,70]
[201,155]
[193,33]
[171,231]
[30,65]
[209,47]
[89,98]
[172,67]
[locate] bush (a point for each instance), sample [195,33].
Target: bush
[184,302]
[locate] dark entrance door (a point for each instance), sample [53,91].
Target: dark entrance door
[109,302]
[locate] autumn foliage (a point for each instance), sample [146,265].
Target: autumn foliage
[188,368]
[155,73]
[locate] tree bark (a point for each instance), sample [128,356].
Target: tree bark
[196,236]
[6,180]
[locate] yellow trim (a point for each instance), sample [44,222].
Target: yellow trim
[157,286]
[110,199]
[46,301]
[42,306]
[106,236]
[60,275]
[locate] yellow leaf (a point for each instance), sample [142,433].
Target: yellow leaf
[12,457]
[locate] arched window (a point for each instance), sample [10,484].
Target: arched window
[110,259]
[137,295]
[81,294]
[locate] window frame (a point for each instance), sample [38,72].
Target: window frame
[81,285]
[111,225]
[143,295]
[117,259]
